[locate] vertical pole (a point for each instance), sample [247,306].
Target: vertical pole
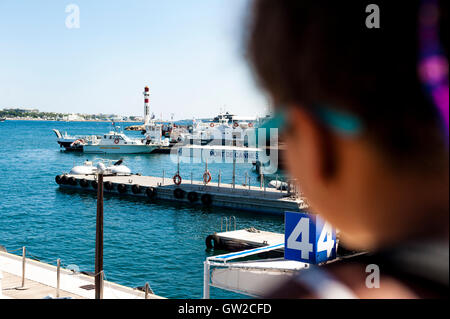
[146,290]
[219,178]
[249,184]
[102,281]
[234,163]
[192,178]
[58,276]
[206,280]
[164,173]
[24,257]
[99,241]
[246,177]
[264,184]
[206,171]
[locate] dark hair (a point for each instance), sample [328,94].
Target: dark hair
[312,51]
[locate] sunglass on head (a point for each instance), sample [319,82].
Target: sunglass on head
[342,123]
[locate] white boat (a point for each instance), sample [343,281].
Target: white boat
[115,142]
[118,143]
[225,127]
[279,185]
[110,168]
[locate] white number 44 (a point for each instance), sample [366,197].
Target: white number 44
[325,241]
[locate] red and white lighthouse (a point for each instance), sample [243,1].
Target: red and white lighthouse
[146,105]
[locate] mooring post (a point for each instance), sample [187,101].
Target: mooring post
[58,276]
[24,257]
[146,290]
[102,281]
[99,241]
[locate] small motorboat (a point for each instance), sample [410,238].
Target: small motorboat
[279,185]
[88,168]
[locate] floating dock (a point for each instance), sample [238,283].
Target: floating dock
[251,238]
[238,197]
[31,279]
[245,239]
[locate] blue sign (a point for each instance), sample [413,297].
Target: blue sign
[308,238]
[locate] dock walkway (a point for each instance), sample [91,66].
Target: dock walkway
[41,282]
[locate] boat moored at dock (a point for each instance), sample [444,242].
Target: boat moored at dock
[118,143]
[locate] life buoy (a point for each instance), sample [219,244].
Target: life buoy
[212,125]
[250,124]
[207,177]
[94,184]
[122,188]
[206,199]
[109,186]
[192,197]
[151,192]
[236,124]
[84,183]
[177,179]
[116,140]
[178,193]
[136,189]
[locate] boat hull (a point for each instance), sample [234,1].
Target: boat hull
[118,149]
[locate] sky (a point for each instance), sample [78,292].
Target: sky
[190,53]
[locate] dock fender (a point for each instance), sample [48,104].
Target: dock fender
[151,192]
[178,193]
[84,183]
[206,199]
[192,197]
[109,186]
[94,184]
[136,189]
[211,241]
[122,188]
[58,179]
[64,180]
[73,181]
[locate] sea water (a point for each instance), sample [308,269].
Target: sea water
[159,243]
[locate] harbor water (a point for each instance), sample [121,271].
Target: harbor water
[159,243]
